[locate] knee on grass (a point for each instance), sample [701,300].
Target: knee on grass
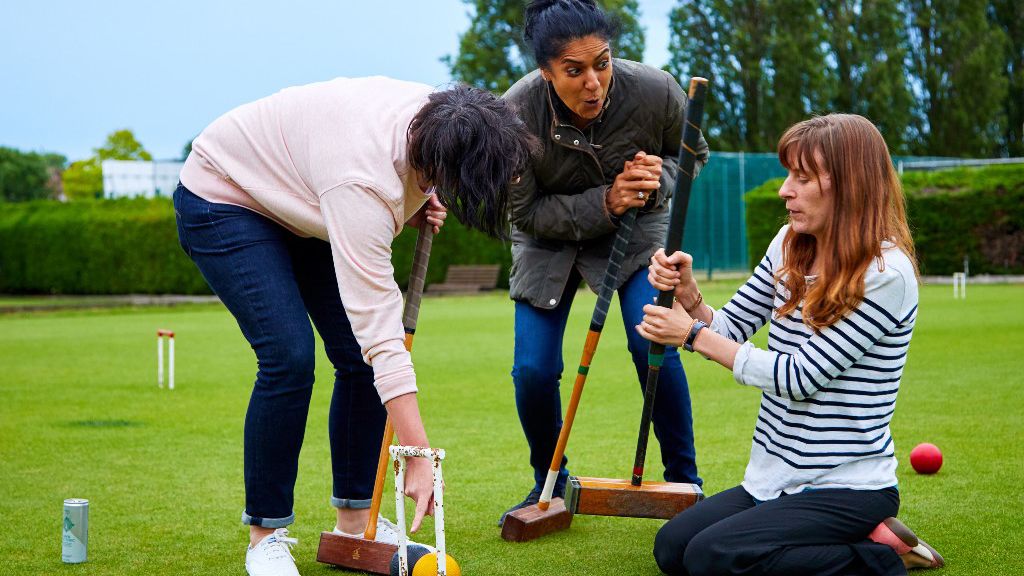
[669,549]
[704,557]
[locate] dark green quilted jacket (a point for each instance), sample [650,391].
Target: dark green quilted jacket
[559,218]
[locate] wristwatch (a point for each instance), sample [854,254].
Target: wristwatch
[697,327]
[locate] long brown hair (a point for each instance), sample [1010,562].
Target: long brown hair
[868,209]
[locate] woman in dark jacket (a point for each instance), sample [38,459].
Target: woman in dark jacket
[610,131]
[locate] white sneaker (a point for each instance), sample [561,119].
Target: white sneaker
[387,532]
[272,556]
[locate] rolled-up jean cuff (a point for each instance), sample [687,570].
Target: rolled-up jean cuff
[349,503]
[267,522]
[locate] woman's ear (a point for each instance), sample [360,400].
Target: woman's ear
[544,75]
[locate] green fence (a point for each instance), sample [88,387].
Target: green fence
[716,231]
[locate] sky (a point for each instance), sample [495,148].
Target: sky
[73,71]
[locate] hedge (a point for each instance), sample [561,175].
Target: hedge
[131,246]
[977,212]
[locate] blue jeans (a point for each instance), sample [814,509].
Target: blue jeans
[537,370]
[274,282]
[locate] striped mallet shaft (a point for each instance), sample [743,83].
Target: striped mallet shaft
[673,243]
[413,296]
[604,299]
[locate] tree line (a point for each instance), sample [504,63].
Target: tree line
[42,176]
[938,77]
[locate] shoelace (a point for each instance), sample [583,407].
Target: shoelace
[387,531]
[278,544]
[387,524]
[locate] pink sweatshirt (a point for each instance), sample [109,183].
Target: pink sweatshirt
[328,160]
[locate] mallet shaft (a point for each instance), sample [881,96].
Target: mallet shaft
[414,294]
[673,243]
[604,298]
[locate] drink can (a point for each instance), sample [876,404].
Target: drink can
[75,538]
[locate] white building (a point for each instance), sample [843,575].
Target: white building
[131,178]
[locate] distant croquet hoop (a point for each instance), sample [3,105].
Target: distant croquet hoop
[161,336]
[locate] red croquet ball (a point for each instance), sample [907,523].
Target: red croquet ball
[926,458]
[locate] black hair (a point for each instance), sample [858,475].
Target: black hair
[470,145]
[551,24]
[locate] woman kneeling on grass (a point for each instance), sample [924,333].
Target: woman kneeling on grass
[839,286]
[289,206]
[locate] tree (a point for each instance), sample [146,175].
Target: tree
[492,54]
[1009,15]
[84,178]
[867,43]
[725,41]
[936,77]
[883,87]
[631,43]
[55,170]
[757,57]
[799,81]
[958,56]
[122,145]
[26,175]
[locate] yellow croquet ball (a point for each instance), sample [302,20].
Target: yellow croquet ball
[427,566]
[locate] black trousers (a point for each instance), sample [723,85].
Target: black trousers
[816,532]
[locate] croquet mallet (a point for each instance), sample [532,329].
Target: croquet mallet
[547,516]
[365,553]
[635,498]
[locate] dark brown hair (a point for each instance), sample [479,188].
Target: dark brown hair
[470,145]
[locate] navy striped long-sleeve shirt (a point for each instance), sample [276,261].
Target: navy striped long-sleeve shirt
[828,396]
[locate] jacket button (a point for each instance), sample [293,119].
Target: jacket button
[576,142]
[558,136]
[552,301]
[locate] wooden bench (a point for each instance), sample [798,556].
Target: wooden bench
[464,279]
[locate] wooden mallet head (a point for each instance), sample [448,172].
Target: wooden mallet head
[355,553]
[614,497]
[530,522]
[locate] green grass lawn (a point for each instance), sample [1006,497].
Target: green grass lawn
[81,416]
